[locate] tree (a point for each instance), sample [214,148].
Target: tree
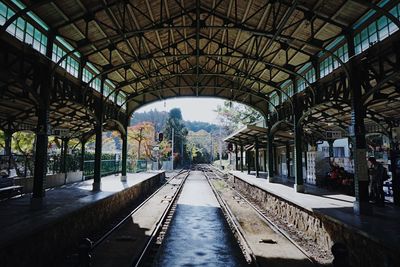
[138,135]
[22,142]
[2,140]
[175,121]
[157,118]
[198,146]
[235,116]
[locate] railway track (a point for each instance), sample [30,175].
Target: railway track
[132,232]
[149,252]
[211,173]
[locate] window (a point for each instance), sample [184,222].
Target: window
[338,152]
[274,101]
[20,29]
[3,13]
[29,33]
[121,98]
[289,90]
[376,31]
[57,54]
[342,53]
[310,75]
[301,85]
[72,67]
[96,84]
[23,30]
[326,66]
[109,90]
[86,75]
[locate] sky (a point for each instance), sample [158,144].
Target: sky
[193,109]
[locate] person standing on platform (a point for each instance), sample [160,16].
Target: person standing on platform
[376,172]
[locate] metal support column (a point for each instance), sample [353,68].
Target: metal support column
[265,160]
[248,161]
[298,147]
[236,158]
[357,133]
[64,158]
[270,148]
[288,159]
[124,154]
[42,130]
[241,158]
[394,170]
[98,128]
[7,148]
[257,165]
[7,142]
[305,157]
[330,143]
[40,154]
[83,143]
[97,156]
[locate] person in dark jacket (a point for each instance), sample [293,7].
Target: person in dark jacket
[376,172]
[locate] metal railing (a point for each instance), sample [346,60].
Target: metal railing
[23,165]
[16,165]
[108,166]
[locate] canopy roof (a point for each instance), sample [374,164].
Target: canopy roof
[239,50]
[248,135]
[244,51]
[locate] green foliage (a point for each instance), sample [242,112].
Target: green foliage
[2,137]
[196,126]
[22,142]
[175,121]
[157,118]
[235,116]
[141,140]
[198,147]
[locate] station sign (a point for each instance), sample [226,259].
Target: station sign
[60,132]
[333,135]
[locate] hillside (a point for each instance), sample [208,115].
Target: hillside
[158,118]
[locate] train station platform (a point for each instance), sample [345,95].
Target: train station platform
[328,217]
[36,237]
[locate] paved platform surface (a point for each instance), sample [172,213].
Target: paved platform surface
[198,234]
[382,226]
[17,218]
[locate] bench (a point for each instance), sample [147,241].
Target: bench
[10,191]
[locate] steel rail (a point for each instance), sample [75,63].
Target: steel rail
[104,237]
[272,225]
[248,252]
[160,223]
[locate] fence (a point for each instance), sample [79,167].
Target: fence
[108,166]
[23,165]
[16,165]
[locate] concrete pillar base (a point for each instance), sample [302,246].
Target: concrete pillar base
[362,208]
[38,203]
[299,188]
[96,186]
[123,178]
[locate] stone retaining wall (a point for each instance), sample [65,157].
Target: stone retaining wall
[324,230]
[45,246]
